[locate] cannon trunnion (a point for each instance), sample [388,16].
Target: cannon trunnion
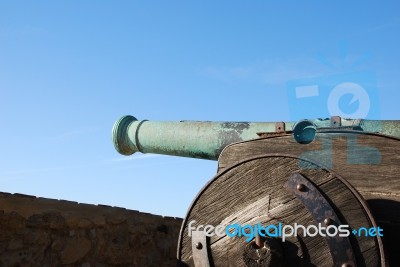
[338,178]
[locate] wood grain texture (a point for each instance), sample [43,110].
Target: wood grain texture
[253,192]
[337,151]
[377,182]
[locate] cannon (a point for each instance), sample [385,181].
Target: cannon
[323,192]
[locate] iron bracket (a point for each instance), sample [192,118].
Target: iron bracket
[280,127]
[336,121]
[199,249]
[322,212]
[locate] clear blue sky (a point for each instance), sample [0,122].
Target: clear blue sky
[70,69]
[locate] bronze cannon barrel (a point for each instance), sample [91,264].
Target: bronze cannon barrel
[206,140]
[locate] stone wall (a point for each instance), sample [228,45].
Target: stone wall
[47,232]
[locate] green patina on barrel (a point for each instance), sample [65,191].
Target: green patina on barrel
[206,140]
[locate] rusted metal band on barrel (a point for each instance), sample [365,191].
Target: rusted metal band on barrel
[322,212]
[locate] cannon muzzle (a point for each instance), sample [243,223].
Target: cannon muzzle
[206,140]
[194,139]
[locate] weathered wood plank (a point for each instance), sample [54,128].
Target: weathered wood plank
[379,178]
[377,182]
[253,192]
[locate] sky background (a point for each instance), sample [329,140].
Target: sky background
[70,69]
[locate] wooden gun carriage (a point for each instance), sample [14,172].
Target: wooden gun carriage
[329,172]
